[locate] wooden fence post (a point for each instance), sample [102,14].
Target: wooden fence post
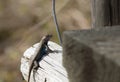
[105,13]
[94,55]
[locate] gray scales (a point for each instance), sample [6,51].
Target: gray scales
[41,51]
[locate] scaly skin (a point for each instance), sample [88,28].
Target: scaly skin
[41,51]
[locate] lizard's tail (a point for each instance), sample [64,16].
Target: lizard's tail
[29,75]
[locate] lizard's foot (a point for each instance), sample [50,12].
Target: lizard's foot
[41,67]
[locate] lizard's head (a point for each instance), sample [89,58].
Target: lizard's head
[46,38]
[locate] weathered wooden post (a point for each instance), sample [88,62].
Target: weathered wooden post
[52,71]
[94,55]
[105,13]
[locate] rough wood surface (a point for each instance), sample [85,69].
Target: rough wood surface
[52,64]
[105,13]
[92,55]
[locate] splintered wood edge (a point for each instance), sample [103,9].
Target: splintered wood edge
[53,70]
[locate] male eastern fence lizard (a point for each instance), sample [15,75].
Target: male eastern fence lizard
[41,51]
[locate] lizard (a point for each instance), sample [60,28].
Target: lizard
[40,52]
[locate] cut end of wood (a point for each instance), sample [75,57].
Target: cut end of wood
[92,55]
[52,71]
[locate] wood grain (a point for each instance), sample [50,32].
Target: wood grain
[92,55]
[105,13]
[52,71]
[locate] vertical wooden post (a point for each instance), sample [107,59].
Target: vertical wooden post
[94,55]
[105,13]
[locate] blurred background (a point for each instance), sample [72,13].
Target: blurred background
[24,22]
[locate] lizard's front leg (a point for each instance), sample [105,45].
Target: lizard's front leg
[48,50]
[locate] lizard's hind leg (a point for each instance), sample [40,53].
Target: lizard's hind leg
[35,67]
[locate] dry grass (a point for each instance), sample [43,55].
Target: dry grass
[24,22]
